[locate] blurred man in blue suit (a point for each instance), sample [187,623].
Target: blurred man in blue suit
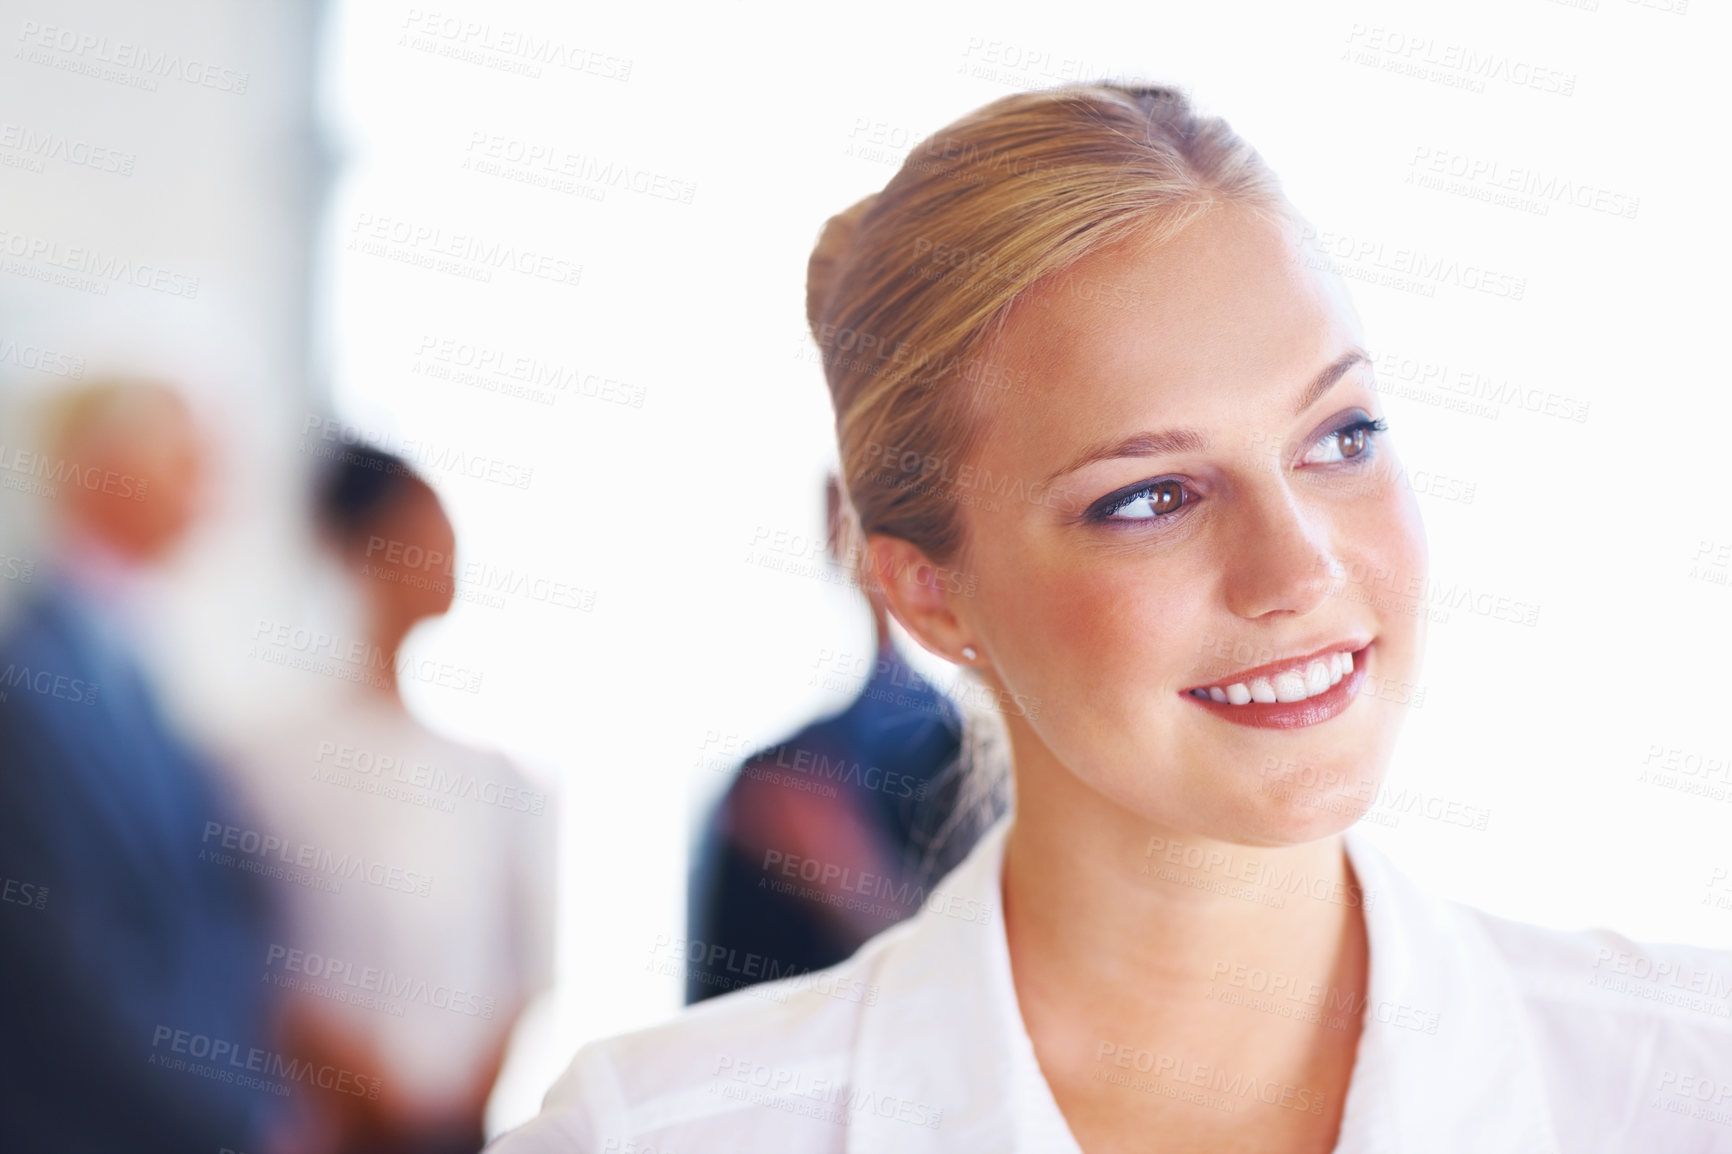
[874,795]
[131,1013]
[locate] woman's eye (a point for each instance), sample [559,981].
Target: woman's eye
[1156,500]
[1345,444]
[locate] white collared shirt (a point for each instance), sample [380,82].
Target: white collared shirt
[1480,1036]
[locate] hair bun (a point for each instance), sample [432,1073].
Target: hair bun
[826,260]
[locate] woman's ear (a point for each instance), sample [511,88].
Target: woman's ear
[919,594]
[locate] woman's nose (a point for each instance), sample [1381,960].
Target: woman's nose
[1282,556]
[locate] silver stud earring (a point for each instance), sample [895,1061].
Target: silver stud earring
[968,653]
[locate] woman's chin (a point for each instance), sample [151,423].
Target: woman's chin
[1298,815]
[1277,814]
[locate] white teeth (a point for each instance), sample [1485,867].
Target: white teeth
[1289,686]
[1318,676]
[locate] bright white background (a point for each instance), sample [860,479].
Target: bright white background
[778,118]
[781,118]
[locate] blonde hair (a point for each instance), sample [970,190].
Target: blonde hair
[907,289]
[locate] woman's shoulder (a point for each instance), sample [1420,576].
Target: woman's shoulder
[1635,1037]
[1594,973]
[1606,1041]
[786,1045]
[1603,973]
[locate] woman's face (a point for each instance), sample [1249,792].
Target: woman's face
[1191,494]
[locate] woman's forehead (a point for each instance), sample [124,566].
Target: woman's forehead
[1230,308]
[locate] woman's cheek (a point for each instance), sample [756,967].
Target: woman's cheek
[1400,552]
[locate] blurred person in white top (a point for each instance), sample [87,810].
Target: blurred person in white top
[420,869]
[1109,430]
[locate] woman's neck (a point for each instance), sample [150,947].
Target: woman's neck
[1143,951]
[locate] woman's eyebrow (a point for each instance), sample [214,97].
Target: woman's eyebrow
[1138,445]
[1191,441]
[1325,380]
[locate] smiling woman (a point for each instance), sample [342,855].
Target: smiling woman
[1080,350]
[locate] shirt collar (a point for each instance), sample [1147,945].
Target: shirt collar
[1443,1064]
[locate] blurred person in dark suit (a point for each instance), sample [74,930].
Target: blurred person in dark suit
[417,978]
[838,832]
[131,1016]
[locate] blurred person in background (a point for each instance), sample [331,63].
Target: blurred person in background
[413,971]
[867,800]
[125,951]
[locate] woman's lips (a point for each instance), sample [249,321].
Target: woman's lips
[1299,693]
